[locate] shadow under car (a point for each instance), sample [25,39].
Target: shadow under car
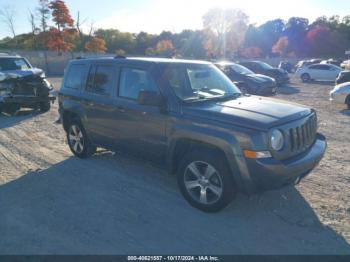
[112,204]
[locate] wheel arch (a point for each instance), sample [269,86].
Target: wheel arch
[181,145]
[69,114]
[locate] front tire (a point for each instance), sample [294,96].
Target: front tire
[205,181]
[44,107]
[305,78]
[348,101]
[78,141]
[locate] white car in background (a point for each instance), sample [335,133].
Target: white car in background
[319,72]
[341,94]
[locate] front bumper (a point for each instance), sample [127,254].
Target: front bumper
[281,80]
[269,173]
[272,90]
[26,99]
[338,97]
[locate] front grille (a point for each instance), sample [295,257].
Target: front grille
[303,136]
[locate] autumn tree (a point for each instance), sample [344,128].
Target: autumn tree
[165,47]
[281,46]
[322,41]
[96,45]
[251,52]
[225,30]
[59,38]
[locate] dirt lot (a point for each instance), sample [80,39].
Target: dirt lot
[53,203]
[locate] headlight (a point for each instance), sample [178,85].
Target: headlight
[277,140]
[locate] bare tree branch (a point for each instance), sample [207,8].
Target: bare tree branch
[92,29]
[31,20]
[44,14]
[7,16]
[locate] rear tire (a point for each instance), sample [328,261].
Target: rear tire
[78,140]
[205,181]
[305,78]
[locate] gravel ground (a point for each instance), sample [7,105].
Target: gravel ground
[53,203]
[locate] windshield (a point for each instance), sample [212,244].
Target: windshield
[265,65]
[241,70]
[198,82]
[8,64]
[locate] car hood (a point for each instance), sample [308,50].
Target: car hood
[276,72]
[342,86]
[249,111]
[259,78]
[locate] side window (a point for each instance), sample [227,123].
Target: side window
[133,80]
[75,74]
[320,67]
[315,67]
[325,67]
[100,80]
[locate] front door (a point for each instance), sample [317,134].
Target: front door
[142,127]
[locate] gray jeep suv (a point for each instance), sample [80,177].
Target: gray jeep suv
[190,118]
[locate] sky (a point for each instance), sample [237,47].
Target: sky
[154,16]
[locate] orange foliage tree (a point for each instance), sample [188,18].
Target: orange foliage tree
[96,45]
[281,46]
[59,38]
[251,52]
[164,47]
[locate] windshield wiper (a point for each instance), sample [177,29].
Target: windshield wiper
[228,97]
[213,98]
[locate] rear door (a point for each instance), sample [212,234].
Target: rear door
[317,72]
[98,102]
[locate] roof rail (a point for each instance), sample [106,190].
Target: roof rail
[119,57]
[4,54]
[79,57]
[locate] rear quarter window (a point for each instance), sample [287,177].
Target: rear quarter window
[74,76]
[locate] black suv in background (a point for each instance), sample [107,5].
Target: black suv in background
[189,117]
[281,76]
[251,83]
[343,77]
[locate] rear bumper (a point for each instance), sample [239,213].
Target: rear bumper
[269,173]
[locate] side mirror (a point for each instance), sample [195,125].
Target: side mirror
[149,98]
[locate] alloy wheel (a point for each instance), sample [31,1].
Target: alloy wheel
[203,182]
[76,139]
